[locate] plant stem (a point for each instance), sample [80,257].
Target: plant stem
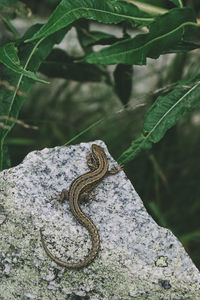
[10,27]
[150,9]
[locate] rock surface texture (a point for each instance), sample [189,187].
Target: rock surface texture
[137,260]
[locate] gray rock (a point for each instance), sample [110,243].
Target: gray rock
[138,259]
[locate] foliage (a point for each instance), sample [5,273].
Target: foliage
[147,32]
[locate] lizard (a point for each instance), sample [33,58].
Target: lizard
[98,163]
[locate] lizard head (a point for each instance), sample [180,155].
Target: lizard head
[97,148]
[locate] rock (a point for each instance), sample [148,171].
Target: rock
[137,260]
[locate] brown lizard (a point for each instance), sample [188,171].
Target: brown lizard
[98,164]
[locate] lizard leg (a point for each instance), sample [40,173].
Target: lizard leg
[115,170]
[64,195]
[84,197]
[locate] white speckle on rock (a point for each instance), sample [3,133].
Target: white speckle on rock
[7,269]
[29,296]
[53,286]
[81,293]
[50,277]
[137,258]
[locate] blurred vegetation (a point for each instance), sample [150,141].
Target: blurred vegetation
[167,176]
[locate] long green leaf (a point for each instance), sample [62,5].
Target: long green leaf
[164,113]
[16,86]
[168,109]
[141,143]
[9,57]
[164,34]
[105,11]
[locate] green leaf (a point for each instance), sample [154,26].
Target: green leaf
[9,57]
[177,3]
[123,76]
[164,34]
[136,147]
[59,64]
[15,86]
[170,107]
[163,114]
[105,11]
[182,47]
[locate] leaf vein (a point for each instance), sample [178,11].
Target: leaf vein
[96,10]
[147,44]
